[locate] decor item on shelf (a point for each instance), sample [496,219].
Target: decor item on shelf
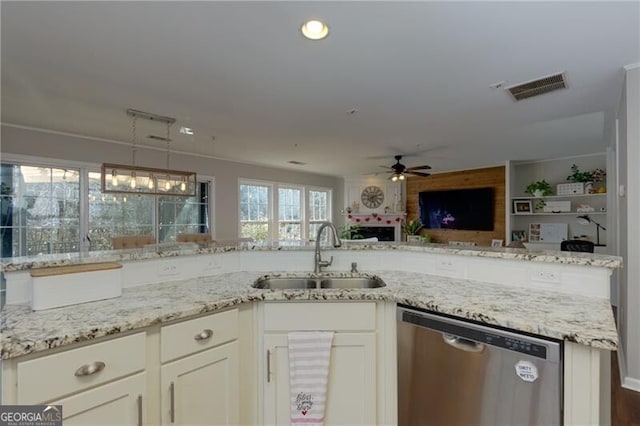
[519,236]
[557,207]
[578,176]
[496,243]
[585,220]
[576,188]
[412,227]
[585,208]
[522,207]
[133,179]
[426,238]
[539,188]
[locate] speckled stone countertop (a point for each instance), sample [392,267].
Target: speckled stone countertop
[154,252]
[580,319]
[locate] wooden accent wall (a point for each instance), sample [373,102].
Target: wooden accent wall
[478,178]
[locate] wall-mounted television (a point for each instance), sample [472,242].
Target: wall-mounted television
[465,209]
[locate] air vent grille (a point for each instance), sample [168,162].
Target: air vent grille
[537,87]
[159,138]
[297,163]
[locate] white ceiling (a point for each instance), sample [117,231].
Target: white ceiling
[417,72]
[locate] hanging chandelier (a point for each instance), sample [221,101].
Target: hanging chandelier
[133,179]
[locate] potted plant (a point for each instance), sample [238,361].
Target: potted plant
[412,229]
[578,176]
[539,188]
[350,232]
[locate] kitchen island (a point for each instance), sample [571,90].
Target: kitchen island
[558,295]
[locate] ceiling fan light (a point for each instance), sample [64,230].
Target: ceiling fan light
[394,178]
[401,177]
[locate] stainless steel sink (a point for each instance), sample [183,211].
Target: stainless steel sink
[294,283]
[352,282]
[285,283]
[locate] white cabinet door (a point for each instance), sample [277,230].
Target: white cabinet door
[202,389]
[120,403]
[351,392]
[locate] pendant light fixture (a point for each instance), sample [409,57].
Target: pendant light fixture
[127,179]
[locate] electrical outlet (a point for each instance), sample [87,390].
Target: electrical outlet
[546,276]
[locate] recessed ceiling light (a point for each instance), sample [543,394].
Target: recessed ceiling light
[187,131]
[314,30]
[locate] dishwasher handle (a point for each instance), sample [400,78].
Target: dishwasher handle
[461,343]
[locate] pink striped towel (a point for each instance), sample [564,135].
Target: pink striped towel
[309,356]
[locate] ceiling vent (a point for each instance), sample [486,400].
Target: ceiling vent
[537,87]
[159,138]
[297,163]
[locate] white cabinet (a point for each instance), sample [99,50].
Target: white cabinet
[202,388]
[119,403]
[351,393]
[96,384]
[200,372]
[361,369]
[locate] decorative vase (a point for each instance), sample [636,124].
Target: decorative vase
[537,193]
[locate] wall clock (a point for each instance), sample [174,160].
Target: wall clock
[372,197]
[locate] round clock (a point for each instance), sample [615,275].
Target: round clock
[372,197]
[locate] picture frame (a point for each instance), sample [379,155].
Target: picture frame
[520,236]
[522,207]
[496,243]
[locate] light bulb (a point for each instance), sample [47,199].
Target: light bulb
[114,178]
[401,177]
[124,199]
[314,30]
[150,184]
[133,180]
[183,186]
[167,184]
[394,178]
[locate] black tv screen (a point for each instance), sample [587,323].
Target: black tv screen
[468,209]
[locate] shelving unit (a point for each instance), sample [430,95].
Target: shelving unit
[554,171]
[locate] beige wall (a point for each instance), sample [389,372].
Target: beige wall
[226,173]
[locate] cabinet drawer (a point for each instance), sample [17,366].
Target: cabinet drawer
[195,335]
[319,316]
[53,376]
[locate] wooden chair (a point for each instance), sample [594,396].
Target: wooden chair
[132,241]
[577,245]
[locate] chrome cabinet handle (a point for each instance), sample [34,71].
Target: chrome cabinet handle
[173,402]
[139,410]
[268,366]
[89,369]
[462,344]
[203,335]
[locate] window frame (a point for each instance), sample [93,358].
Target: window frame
[274,205]
[84,168]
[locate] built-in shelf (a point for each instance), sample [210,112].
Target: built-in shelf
[528,197]
[557,214]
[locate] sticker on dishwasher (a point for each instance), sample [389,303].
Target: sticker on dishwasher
[526,371]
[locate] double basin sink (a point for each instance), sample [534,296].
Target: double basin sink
[296,283]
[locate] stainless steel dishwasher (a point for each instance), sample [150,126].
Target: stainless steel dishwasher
[453,373]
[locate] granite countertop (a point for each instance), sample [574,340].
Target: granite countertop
[189,249]
[580,319]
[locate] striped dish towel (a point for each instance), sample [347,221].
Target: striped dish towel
[309,355]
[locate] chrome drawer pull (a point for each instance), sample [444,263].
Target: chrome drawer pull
[89,369]
[204,334]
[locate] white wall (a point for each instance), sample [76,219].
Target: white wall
[76,148]
[628,216]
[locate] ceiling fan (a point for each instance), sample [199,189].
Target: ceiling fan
[399,170]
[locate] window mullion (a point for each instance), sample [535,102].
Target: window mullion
[84,242]
[274,208]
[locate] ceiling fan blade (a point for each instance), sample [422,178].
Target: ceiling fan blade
[418,167]
[418,173]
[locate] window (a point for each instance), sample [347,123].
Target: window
[272,211]
[40,210]
[44,211]
[289,214]
[319,210]
[255,211]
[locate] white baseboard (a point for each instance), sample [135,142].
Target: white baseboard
[626,382]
